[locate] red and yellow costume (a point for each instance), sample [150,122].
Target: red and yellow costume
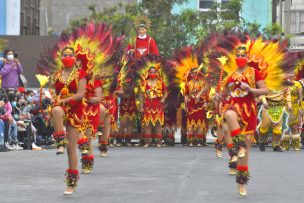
[128,107]
[241,101]
[262,60]
[153,92]
[192,66]
[73,109]
[153,107]
[92,45]
[196,108]
[92,111]
[110,103]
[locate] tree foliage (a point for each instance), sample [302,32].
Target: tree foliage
[172,31]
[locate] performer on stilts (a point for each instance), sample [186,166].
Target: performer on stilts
[143,45]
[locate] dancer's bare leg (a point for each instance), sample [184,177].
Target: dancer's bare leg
[58,119]
[72,137]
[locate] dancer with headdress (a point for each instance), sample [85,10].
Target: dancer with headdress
[192,66]
[251,65]
[109,109]
[72,58]
[127,108]
[292,136]
[153,78]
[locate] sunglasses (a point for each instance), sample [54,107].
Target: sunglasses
[66,55]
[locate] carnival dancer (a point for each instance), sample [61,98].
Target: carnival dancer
[92,120]
[90,45]
[153,78]
[241,87]
[191,68]
[294,116]
[299,72]
[274,106]
[109,113]
[128,109]
[248,65]
[223,134]
[196,101]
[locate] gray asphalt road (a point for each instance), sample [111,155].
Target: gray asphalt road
[178,174]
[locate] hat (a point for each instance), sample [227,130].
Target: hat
[21,89]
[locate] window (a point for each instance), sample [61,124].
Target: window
[29,22]
[206,4]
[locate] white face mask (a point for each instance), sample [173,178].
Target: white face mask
[142,36]
[10,57]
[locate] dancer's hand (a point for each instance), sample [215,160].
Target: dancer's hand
[218,97]
[245,86]
[266,105]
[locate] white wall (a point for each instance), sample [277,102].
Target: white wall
[13,17]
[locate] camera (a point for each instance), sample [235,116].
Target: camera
[16,55]
[27,121]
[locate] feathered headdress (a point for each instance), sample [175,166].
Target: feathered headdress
[165,72]
[269,57]
[202,58]
[96,48]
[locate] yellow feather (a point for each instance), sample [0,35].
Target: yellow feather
[43,79]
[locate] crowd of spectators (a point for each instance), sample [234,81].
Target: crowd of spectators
[23,112]
[21,109]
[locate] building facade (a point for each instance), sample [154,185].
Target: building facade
[259,11]
[56,14]
[10,17]
[292,16]
[37,17]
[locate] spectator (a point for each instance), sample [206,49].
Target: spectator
[7,117]
[11,71]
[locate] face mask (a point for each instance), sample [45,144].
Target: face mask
[10,57]
[68,62]
[29,99]
[152,75]
[14,104]
[241,62]
[16,117]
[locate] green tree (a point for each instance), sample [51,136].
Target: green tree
[273,30]
[170,31]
